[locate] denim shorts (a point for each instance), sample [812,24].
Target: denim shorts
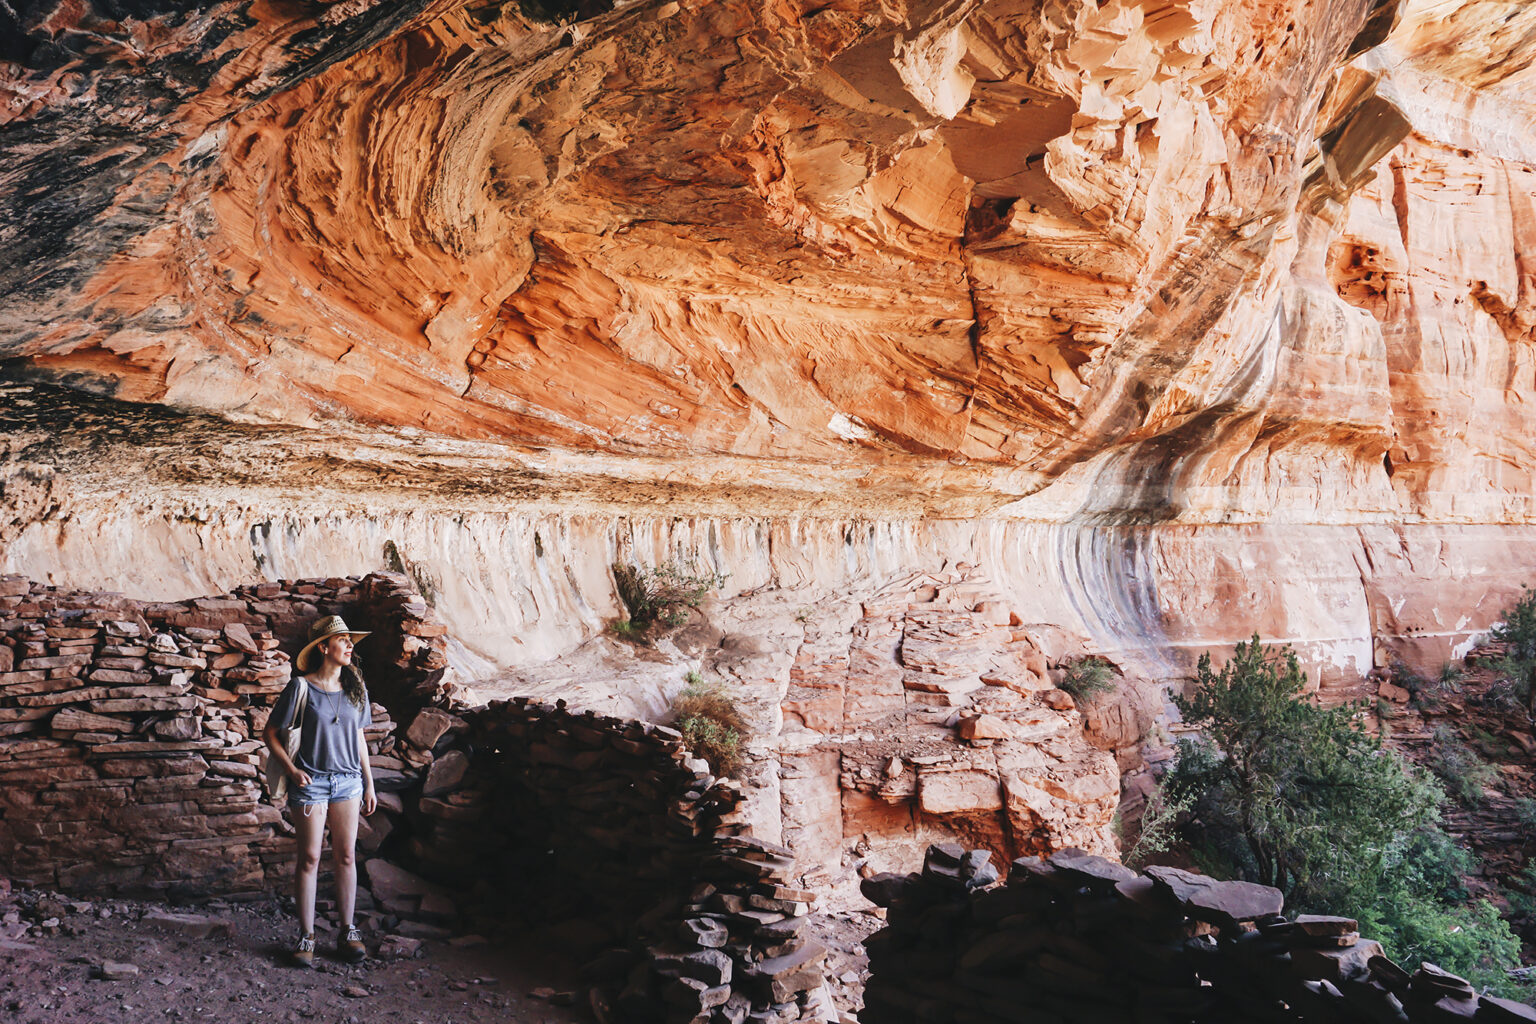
[326,788]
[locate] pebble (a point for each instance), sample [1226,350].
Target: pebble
[355,992]
[111,970]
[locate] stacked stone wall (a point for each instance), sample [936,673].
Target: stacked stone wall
[131,759]
[1077,939]
[130,750]
[530,811]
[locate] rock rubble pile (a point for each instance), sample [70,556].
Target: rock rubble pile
[1079,939]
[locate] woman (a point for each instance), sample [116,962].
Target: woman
[327,777]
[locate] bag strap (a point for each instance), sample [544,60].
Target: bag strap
[300,702]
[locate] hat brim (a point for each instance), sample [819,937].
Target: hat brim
[304,662]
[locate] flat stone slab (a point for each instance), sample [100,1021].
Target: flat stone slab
[1493,1008]
[199,926]
[1217,902]
[1099,873]
[1319,925]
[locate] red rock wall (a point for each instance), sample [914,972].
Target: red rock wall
[975,246]
[1198,282]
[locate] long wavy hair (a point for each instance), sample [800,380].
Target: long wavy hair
[352,685]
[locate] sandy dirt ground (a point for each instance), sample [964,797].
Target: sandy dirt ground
[65,960]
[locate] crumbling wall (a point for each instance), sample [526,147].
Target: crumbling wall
[130,759]
[1078,938]
[613,830]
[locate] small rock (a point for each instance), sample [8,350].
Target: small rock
[355,992]
[111,970]
[198,926]
[983,728]
[399,947]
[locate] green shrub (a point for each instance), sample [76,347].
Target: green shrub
[1518,633]
[1086,679]
[659,593]
[1288,793]
[1158,829]
[1504,696]
[1521,892]
[1458,767]
[1470,940]
[1525,818]
[712,724]
[1518,630]
[1293,795]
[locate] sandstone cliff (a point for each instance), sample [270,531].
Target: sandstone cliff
[1180,318]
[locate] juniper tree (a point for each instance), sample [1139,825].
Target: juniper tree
[1290,794]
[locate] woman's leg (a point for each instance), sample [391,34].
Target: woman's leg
[343,821]
[309,823]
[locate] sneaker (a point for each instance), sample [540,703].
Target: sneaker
[304,952]
[351,948]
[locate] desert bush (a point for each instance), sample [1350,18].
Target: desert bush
[1521,892]
[1158,830]
[1294,795]
[712,724]
[658,593]
[1518,633]
[1087,679]
[1504,696]
[1518,630]
[1300,797]
[1525,817]
[1474,938]
[1457,765]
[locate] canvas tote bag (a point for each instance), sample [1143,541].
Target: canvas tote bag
[277,778]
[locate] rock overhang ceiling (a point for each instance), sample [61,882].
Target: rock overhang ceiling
[1150,251]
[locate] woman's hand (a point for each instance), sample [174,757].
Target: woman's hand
[298,776]
[370,799]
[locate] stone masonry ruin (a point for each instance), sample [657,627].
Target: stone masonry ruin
[130,761]
[1079,939]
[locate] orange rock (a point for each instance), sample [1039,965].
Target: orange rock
[984,728]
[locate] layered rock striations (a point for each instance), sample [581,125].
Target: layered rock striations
[1214,317]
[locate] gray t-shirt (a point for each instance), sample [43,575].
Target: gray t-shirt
[331,721]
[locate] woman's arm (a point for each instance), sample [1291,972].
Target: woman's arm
[370,798]
[272,737]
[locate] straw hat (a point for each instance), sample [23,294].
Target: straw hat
[322,630]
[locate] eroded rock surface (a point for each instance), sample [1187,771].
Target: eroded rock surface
[1181,319]
[1018,236]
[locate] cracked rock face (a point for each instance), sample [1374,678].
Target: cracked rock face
[1203,286]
